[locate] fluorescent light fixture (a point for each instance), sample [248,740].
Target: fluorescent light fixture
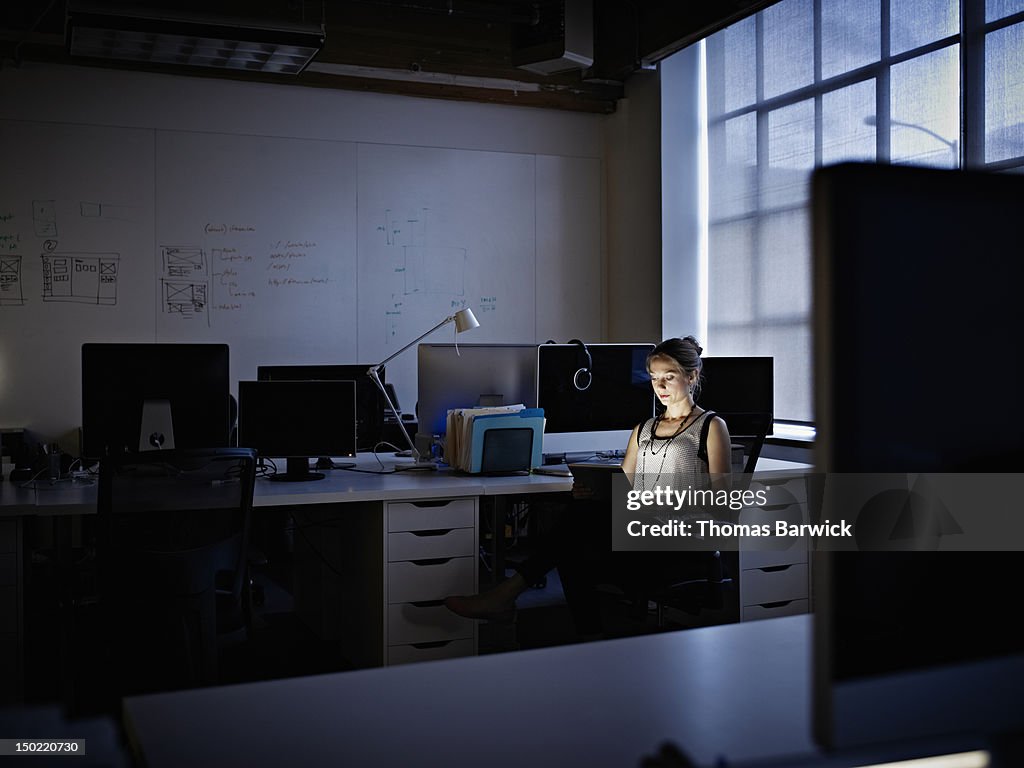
[128,33]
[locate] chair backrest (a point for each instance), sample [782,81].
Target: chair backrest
[171,540]
[186,513]
[752,435]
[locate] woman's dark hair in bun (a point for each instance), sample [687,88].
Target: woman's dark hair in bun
[685,352]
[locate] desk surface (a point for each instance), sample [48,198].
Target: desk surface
[372,483]
[741,691]
[75,496]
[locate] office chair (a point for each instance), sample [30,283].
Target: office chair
[704,590]
[172,536]
[752,431]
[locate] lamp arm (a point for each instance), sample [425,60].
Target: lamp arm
[372,373]
[419,338]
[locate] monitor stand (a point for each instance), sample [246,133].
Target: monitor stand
[326,462]
[156,430]
[297,471]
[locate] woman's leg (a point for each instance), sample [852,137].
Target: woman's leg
[498,602]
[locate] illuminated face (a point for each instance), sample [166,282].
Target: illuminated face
[670,382]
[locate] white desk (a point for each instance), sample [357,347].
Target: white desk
[76,497]
[375,555]
[376,542]
[740,690]
[371,566]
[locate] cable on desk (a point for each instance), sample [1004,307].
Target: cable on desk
[33,483]
[262,470]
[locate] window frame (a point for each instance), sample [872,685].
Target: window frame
[970,141]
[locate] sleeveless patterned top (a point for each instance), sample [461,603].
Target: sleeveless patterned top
[671,460]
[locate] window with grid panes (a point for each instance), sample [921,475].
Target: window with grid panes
[805,83]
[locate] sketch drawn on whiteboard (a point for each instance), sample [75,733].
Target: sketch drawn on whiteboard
[425,270]
[435,269]
[11,294]
[106,211]
[185,298]
[183,261]
[184,286]
[412,230]
[44,218]
[83,278]
[392,319]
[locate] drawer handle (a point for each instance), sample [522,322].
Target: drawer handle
[431,561]
[775,568]
[779,604]
[432,503]
[433,532]
[435,644]
[426,603]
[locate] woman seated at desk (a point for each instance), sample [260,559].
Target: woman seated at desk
[685,443]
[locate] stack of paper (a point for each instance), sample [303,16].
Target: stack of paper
[465,428]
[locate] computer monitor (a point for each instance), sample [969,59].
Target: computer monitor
[739,389]
[139,397]
[592,396]
[917,312]
[453,376]
[297,420]
[369,401]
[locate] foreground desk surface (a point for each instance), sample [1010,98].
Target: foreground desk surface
[740,691]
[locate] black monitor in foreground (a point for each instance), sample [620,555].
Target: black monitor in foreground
[740,389]
[369,401]
[140,397]
[297,420]
[918,363]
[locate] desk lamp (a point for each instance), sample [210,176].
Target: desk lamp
[464,320]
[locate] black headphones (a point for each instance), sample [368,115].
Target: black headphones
[583,376]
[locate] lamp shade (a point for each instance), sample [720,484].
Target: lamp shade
[465,319]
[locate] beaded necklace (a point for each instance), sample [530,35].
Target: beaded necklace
[664,449]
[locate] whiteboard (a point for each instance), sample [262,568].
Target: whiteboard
[76,238]
[289,250]
[439,230]
[255,246]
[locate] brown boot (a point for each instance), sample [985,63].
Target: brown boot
[497,604]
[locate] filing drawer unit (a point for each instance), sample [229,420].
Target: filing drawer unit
[371,578]
[431,551]
[11,666]
[775,571]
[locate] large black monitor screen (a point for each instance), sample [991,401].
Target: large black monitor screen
[738,388]
[917,370]
[297,420]
[918,278]
[369,401]
[154,396]
[618,395]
